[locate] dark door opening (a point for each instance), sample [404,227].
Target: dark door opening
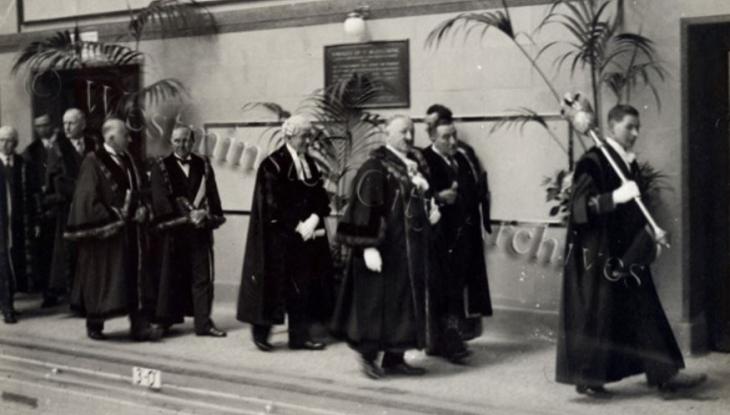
[708,113]
[98,91]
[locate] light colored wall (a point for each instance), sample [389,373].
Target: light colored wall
[473,78]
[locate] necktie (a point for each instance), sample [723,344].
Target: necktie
[305,168]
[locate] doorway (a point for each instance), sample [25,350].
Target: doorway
[707,174]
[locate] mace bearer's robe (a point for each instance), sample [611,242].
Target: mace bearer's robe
[611,323]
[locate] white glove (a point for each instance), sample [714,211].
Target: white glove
[626,192]
[306,228]
[372,259]
[435,214]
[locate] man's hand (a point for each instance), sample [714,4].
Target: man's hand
[372,258]
[140,215]
[307,228]
[197,216]
[448,196]
[435,214]
[626,192]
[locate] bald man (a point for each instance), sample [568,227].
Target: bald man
[106,215]
[381,303]
[187,208]
[287,267]
[62,170]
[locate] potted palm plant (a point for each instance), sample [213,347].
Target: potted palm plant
[616,60]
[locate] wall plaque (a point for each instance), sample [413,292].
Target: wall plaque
[386,63]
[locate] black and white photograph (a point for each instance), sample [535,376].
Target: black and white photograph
[365,207]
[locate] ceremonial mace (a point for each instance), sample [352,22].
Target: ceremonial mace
[577,110]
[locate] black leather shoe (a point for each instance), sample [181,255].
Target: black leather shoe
[95,334]
[212,331]
[9,317]
[308,345]
[263,345]
[682,381]
[404,368]
[370,369]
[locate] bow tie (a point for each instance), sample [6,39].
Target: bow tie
[184,162]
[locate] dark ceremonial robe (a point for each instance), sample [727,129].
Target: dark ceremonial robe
[459,286]
[174,238]
[277,259]
[21,187]
[7,280]
[611,323]
[61,173]
[388,212]
[109,278]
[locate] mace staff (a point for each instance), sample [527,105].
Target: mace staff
[581,117]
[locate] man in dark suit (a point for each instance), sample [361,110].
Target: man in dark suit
[36,156]
[460,293]
[61,172]
[14,223]
[186,208]
[287,267]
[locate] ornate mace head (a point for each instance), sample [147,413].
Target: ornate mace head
[578,111]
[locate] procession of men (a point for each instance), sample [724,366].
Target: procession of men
[89,224]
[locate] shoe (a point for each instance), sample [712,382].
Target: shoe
[460,357]
[598,392]
[9,317]
[404,368]
[263,345]
[212,331]
[682,380]
[308,345]
[95,334]
[370,369]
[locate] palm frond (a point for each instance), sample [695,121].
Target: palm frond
[468,22]
[173,18]
[153,94]
[272,107]
[64,50]
[520,118]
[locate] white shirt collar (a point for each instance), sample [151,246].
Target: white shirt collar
[111,150]
[626,156]
[5,157]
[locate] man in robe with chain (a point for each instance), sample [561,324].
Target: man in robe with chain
[106,219]
[381,304]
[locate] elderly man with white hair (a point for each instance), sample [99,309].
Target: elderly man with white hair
[287,268]
[381,305]
[15,219]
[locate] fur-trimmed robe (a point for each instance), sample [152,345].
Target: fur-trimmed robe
[109,271]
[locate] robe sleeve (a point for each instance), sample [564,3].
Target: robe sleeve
[321,199]
[363,224]
[215,214]
[587,201]
[89,216]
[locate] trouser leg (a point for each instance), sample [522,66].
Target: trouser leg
[6,285]
[393,358]
[202,287]
[298,321]
[260,332]
[94,324]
